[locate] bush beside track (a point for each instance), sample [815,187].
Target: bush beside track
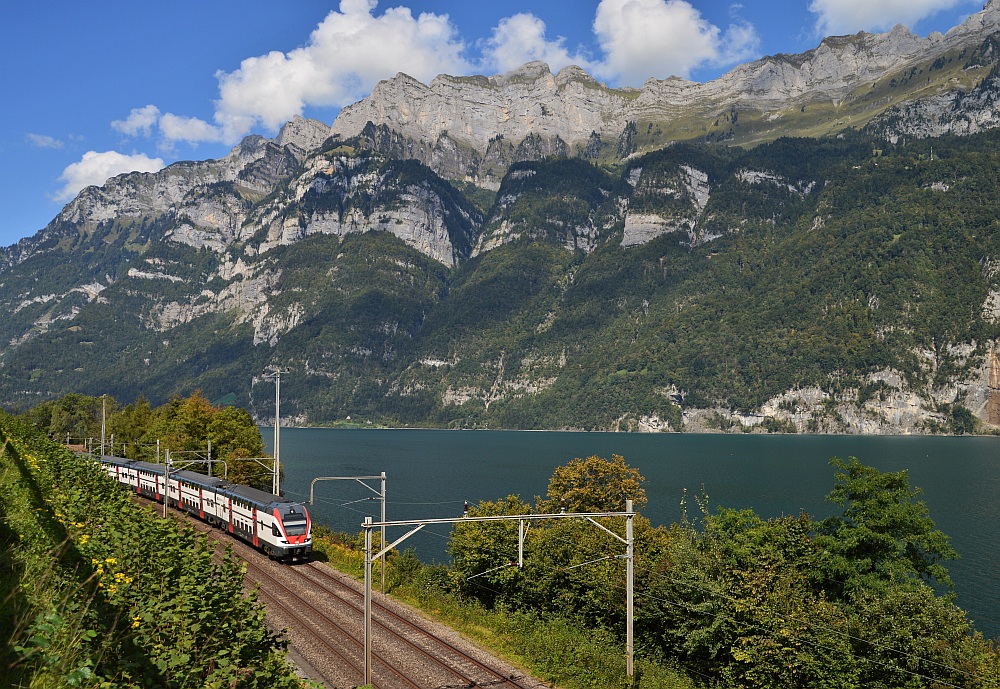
[97,591]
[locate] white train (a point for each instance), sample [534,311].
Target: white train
[279,527]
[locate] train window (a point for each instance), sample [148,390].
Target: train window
[295,525]
[275,530]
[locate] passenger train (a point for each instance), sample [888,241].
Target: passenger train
[278,526]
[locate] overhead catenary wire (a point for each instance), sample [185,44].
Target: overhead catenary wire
[443,536]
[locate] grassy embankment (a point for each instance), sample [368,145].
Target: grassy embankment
[96,591]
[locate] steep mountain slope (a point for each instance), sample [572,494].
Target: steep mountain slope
[563,268]
[812,284]
[851,298]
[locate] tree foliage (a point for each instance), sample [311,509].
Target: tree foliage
[884,535]
[184,426]
[740,600]
[594,484]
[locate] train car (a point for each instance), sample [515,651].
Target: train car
[276,525]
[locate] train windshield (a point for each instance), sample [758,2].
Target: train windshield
[295,524]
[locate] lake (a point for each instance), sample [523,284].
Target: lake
[430,473]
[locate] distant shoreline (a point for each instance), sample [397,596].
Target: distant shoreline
[636,433]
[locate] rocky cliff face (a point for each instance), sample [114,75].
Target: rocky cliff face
[454,123]
[264,195]
[476,111]
[958,112]
[305,134]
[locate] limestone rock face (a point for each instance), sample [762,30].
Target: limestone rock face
[665,202]
[255,164]
[306,134]
[951,112]
[344,195]
[475,110]
[573,108]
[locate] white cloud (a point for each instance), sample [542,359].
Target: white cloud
[347,54]
[191,129]
[660,38]
[44,141]
[849,16]
[520,39]
[97,168]
[139,120]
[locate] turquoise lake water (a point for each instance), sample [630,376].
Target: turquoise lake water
[431,473]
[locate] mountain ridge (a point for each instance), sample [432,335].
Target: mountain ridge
[572,106]
[654,277]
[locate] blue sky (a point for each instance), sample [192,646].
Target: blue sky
[95,89]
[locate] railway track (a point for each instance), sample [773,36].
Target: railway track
[321,610]
[468,669]
[319,625]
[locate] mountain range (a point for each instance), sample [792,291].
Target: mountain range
[808,243]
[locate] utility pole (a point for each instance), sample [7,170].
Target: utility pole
[277,432]
[629,592]
[276,482]
[368,600]
[104,414]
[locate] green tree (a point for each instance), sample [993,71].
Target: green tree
[738,602]
[908,634]
[483,552]
[182,425]
[594,484]
[74,415]
[129,425]
[884,534]
[235,436]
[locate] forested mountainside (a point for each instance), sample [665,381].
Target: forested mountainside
[839,284]
[844,279]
